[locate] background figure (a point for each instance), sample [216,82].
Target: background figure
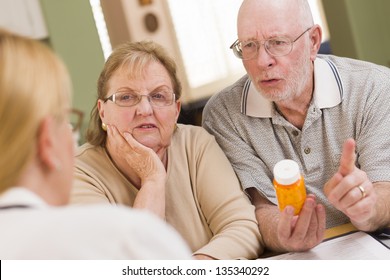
[138,156]
[297,105]
[36,173]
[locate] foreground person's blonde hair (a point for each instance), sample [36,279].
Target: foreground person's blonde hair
[33,84]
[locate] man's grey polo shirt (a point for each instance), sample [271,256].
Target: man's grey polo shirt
[351,99]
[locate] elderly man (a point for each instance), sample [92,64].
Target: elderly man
[329,114]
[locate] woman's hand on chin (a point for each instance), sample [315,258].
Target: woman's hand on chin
[137,162]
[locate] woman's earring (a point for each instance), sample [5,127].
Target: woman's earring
[104,126]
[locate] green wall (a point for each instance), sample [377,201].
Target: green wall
[73,36]
[359,29]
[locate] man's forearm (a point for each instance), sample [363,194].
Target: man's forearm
[267,216]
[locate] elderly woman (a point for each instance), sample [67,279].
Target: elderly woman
[36,173]
[139,99]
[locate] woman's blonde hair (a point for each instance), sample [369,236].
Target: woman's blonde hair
[34,84]
[132,57]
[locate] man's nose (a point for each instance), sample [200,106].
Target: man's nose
[264,58]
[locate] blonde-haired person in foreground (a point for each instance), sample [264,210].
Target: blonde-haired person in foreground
[36,173]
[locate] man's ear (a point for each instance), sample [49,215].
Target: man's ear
[46,143]
[316,39]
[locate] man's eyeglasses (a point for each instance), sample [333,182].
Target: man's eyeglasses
[278,46]
[127,99]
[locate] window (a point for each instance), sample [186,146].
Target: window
[101,27]
[319,17]
[204,30]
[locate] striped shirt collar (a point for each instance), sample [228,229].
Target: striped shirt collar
[328,91]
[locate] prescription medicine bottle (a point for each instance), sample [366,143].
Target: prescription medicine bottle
[289,185]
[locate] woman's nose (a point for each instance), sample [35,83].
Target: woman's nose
[144,107]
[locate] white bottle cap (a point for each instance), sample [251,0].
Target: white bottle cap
[286,172]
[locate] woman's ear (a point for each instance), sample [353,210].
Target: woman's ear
[100,109]
[178,108]
[46,144]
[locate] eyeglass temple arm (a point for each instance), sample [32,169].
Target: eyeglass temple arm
[81,117]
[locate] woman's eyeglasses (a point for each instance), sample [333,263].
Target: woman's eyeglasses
[127,99]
